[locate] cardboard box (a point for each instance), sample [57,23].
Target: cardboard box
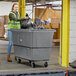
[55,22]
[2,30]
[6,19]
[1,21]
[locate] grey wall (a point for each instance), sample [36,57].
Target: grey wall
[72,50]
[5,8]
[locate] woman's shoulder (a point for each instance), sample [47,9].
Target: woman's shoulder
[11,12]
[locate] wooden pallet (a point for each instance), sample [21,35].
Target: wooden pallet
[2,38]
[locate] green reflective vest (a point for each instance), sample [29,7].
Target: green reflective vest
[12,23]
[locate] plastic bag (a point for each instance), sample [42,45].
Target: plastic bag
[27,23]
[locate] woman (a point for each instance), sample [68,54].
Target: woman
[14,22]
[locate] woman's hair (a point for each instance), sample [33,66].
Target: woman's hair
[13,6]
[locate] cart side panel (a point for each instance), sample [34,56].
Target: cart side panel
[41,54]
[33,54]
[26,39]
[23,52]
[44,39]
[15,36]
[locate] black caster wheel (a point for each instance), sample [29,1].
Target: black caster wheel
[19,60]
[46,64]
[33,64]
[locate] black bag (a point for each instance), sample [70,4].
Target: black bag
[27,23]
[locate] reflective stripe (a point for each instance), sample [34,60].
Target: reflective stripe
[14,23]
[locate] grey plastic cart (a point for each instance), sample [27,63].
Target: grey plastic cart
[33,44]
